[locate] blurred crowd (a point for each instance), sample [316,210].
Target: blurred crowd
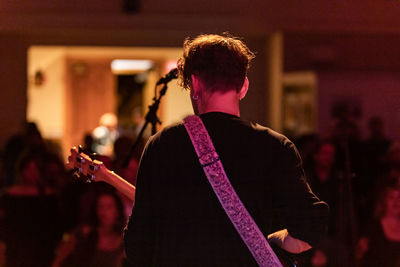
[48,217]
[360,180]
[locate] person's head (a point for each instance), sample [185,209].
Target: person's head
[29,169]
[122,147]
[388,201]
[307,145]
[137,115]
[54,170]
[33,137]
[221,62]
[88,141]
[109,211]
[109,120]
[30,173]
[325,154]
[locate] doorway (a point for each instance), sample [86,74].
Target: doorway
[78,85]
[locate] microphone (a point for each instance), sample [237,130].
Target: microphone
[173,74]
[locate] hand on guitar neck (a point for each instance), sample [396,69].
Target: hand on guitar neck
[284,240]
[94,170]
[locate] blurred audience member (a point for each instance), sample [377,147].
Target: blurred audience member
[346,137]
[54,173]
[329,253]
[88,143]
[355,190]
[138,122]
[12,150]
[307,145]
[105,134]
[380,244]
[33,135]
[322,175]
[122,148]
[98,244]
[29,138]
[67,189]
[30,224]
[375,146]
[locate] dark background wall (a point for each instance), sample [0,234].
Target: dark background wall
[324,24]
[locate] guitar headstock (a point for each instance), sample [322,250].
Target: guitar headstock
[84,165]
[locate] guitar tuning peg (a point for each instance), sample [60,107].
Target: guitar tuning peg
[93,167]
[76,173]
[80,160]
[93,156]
[92,177]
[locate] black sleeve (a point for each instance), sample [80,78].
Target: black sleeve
[140,234]
[303,214]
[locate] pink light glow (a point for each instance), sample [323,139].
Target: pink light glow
[171,64]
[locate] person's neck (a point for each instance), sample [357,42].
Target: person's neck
[220,102]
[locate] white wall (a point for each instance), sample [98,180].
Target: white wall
[46,102]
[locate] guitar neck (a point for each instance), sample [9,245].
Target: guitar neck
[118,183]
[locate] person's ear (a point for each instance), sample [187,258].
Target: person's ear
[196,85]
[243,90]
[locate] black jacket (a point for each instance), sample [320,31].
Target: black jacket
[178,221]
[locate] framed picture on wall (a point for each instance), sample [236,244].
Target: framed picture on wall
[299,104]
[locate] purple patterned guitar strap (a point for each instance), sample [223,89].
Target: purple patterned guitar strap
[230,201]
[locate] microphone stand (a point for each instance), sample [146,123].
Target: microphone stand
[151,118]
[348,224]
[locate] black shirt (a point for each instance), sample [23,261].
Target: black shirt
[178,221]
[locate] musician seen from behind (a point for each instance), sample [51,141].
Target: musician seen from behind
[177,219]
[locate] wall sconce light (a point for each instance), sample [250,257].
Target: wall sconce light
[39,78]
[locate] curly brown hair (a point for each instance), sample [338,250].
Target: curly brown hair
[221,61]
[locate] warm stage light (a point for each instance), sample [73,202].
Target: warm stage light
[120,65]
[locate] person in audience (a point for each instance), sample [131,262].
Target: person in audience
[330,253]
[88,143]
[29,138]
[379,245]
[98,243]
[322,175]
[30,225]
[307,145]
[105,134]
[375,147]
[122,147]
